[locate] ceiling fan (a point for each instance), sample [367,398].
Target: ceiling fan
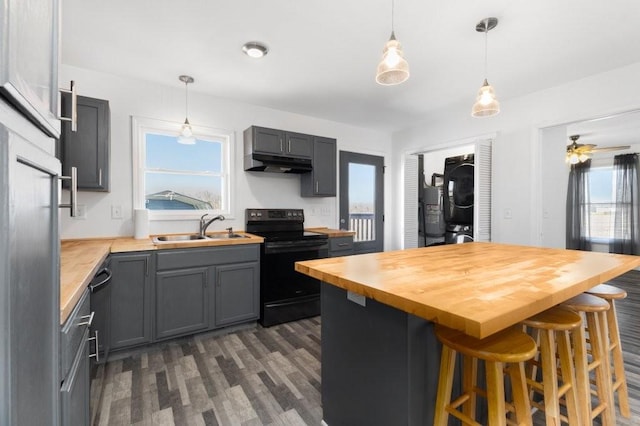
[579,153]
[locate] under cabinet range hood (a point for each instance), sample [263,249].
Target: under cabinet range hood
[257,162]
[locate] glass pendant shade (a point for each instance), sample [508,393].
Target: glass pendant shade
[393,68]
[186,134]
[486,103]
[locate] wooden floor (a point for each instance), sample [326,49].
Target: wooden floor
[259,376]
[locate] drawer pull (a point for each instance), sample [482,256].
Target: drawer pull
[343,244]
[89,319]
[97,346]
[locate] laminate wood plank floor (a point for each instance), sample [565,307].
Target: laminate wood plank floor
[264,376]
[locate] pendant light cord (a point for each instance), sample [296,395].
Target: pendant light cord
[186,99]
[392,14]
[486,38]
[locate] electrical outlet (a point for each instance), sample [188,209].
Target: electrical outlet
[116,212]
[508,214]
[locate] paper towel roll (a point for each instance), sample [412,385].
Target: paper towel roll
[141,223]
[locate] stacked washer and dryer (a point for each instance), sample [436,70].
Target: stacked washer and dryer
[458,191]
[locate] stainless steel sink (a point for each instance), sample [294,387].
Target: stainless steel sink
[174,238]
[225,236]
[196,237]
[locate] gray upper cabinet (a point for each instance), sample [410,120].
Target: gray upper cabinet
[29,64]
[321,182]
[130,317]
[278,142]
[181,302]
[88,147]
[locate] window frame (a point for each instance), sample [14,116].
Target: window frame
[140,126]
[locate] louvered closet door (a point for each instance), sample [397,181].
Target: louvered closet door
[411,201]
[482,207]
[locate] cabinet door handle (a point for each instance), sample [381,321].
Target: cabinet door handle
[95,355]
[289,145]
[317,186]
[74,107]
[89,319]
[281,146]
[99,177]
[73,197]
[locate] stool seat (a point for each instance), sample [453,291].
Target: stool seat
[586,303]
[556,318]
[608,292]
[508,346]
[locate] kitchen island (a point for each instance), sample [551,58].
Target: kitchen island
[380,359]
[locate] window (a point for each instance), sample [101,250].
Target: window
[176,181]
[602,203]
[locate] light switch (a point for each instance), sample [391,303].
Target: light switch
[116,212]
[507,214]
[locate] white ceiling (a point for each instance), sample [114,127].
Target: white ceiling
[323,54]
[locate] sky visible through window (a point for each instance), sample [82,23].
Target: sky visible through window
[190,170]
[602,200]
[362,185]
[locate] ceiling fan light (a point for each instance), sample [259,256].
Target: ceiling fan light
[486,103]
[583,157]
[574,159]
[393,68]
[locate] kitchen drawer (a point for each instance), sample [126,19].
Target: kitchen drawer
[340,243]
[72,331]
[195,257]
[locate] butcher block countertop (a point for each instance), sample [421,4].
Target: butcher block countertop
[478,288]
[332,232]
[80,260]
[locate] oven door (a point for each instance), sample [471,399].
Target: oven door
[279,280]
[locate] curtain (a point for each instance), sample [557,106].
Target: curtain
[578,207]
[626,226]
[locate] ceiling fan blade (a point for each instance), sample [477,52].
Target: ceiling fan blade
[611,148]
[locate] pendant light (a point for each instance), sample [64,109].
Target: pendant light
[486,103]
[393,68]
[186,132]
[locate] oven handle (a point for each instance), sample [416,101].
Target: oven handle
[292,246]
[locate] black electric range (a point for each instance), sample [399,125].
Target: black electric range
[286,295]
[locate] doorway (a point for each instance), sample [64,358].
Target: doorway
[362,200]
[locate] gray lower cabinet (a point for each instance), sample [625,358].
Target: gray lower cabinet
[130,316]
[321,181]
[340,246]
[237,293]
[182,305]
[74,364]
[205,288]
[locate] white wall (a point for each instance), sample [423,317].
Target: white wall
[516,153]
[129,97]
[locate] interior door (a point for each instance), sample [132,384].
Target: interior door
[362,200]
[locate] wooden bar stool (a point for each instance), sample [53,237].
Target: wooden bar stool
[511,347]
[618,378]
[594,309]
[551,329]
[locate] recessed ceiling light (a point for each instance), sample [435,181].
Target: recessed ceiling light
[255,49]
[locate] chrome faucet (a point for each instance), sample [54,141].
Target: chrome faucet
[204,224]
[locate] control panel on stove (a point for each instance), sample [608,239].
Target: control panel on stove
[255,215]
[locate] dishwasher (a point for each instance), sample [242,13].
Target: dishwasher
[100,300]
